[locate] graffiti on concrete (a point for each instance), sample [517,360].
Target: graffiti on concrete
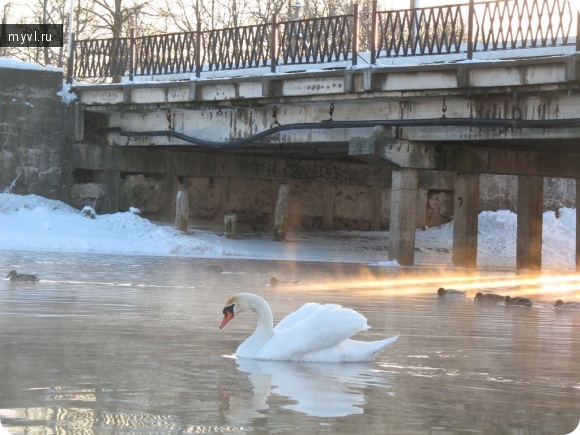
[296,169]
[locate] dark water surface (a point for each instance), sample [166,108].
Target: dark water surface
[131,345]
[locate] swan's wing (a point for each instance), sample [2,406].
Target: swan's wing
[325,327]
[298,316]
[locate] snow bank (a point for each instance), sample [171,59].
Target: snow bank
[34,223]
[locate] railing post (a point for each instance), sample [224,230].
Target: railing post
[274,44]
[355,35]
[71,59]
[131,53]
[198,50]
[374,21]
[578,30]
[470,35]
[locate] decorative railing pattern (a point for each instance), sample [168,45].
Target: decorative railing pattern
[100,58]
[316,40]
[240,47]
[522,23]
[165,54]
[422,31]
[453,29]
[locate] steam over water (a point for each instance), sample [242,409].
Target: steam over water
[131,345]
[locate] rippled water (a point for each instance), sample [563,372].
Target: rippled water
[131,345]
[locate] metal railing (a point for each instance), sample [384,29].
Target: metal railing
[454,29]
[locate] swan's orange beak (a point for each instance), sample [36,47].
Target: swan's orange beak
[228,315]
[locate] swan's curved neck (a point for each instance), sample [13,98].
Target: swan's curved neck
[265,325]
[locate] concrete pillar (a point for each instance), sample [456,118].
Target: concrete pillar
[274,185]
[111,181]
[182,210]
[530,211]
[224,196]
[403,212]
[170,188]
[79,121]
[577,224]
[281,213]
[230,225]
[328,206]
[377,208]
[422,199]
[465,213]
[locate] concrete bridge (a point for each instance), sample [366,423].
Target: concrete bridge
[407,128]
[385,125]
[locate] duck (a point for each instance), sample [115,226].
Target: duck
[15,276]
[567,305]
[488,297]
[446,293]
[214,268]
[523,302]
[275,281]
[313,333]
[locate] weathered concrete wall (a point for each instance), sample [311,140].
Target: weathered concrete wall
[32,133]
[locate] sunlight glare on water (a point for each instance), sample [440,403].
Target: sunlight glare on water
[131,345]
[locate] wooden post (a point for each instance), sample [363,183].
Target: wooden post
[230,225]
[182,210]
[281,213]
[328,206]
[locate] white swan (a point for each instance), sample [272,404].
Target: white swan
[317,333]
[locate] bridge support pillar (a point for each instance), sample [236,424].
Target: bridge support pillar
[403,212]
[422,198]
[328,206]
[530,211]
[377,208]
[577,224]
[465,213]
[111,181]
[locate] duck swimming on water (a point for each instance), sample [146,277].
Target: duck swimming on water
[15,276]
[446,293]
[567,305]
[488,297]
[275,281]
[522,302]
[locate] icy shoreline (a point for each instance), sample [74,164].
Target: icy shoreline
[33,223]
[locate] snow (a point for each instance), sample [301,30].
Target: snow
[34,223]
[6,62]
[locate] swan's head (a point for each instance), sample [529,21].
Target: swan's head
[559,303]
[11,274]
[234,305]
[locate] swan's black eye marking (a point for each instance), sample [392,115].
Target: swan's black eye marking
[230,309]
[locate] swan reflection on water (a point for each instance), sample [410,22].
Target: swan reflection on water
[319,389]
